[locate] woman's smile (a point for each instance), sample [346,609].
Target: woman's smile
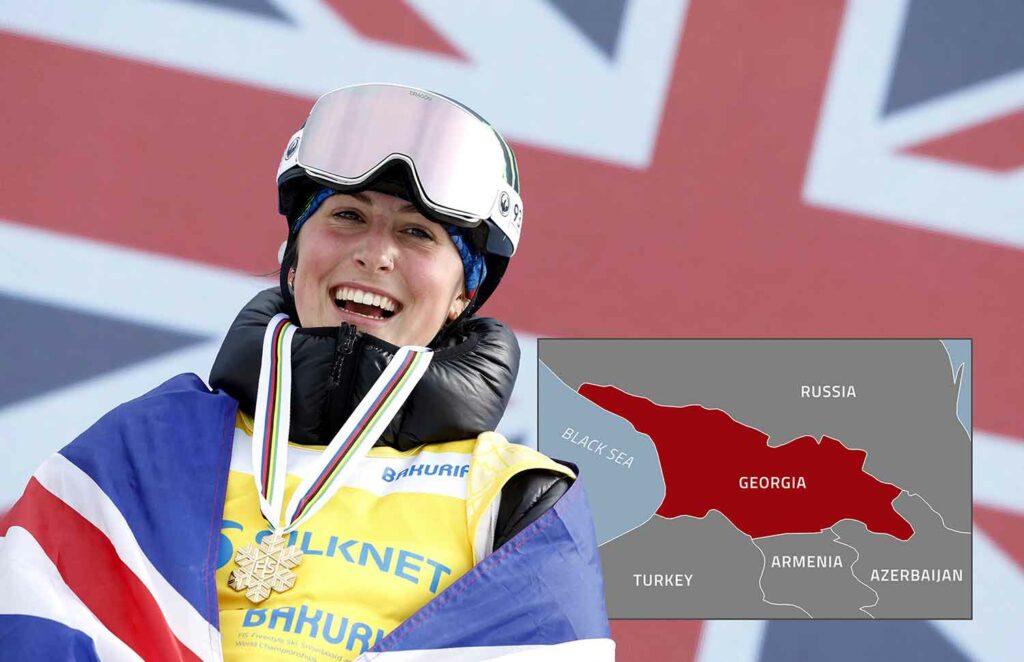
[355,299]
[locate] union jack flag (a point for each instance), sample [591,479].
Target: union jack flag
[690,168]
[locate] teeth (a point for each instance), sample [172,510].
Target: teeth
[366,298]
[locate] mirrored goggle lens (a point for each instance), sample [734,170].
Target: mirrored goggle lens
[458,160]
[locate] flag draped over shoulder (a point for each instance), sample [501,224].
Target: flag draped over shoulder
[111,550]
[111,553]
[542,587]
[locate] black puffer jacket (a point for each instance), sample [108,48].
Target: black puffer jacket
[464,392]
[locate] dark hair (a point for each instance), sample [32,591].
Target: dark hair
[291,253]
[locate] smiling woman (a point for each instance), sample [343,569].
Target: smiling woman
[342,490]
[372,260]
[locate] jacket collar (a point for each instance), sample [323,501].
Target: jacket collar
[464,392]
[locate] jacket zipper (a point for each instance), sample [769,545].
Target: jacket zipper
[345,343]
[336,390]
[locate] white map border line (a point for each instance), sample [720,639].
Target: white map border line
[760,585]
[909,494]
[993,630]
[941,518]
[835,540]
[863,608]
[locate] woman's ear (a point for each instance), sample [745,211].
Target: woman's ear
[459,304]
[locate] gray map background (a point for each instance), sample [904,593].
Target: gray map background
[832,592]
[724,562]
[904,416]
[931,546]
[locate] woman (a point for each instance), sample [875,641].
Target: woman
[394,521]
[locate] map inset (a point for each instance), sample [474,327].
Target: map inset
[770,478]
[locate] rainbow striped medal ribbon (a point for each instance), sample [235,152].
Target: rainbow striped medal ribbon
[268,567]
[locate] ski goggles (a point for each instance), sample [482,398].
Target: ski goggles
[463,171]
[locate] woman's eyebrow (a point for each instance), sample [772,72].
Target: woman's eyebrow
[365,199]
[361,197]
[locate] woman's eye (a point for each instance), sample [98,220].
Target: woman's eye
[418,232]
[347,214]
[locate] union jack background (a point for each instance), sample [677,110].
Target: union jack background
[691,168]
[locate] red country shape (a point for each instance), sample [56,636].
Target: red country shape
[707,457]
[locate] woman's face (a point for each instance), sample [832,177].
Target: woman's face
[372,260]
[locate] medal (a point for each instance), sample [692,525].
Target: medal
[265,568]
[269,566]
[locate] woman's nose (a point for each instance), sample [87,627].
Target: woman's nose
[376,252]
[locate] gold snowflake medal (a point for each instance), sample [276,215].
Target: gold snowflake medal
[267,568]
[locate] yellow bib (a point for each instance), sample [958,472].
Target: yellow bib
[407,526]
